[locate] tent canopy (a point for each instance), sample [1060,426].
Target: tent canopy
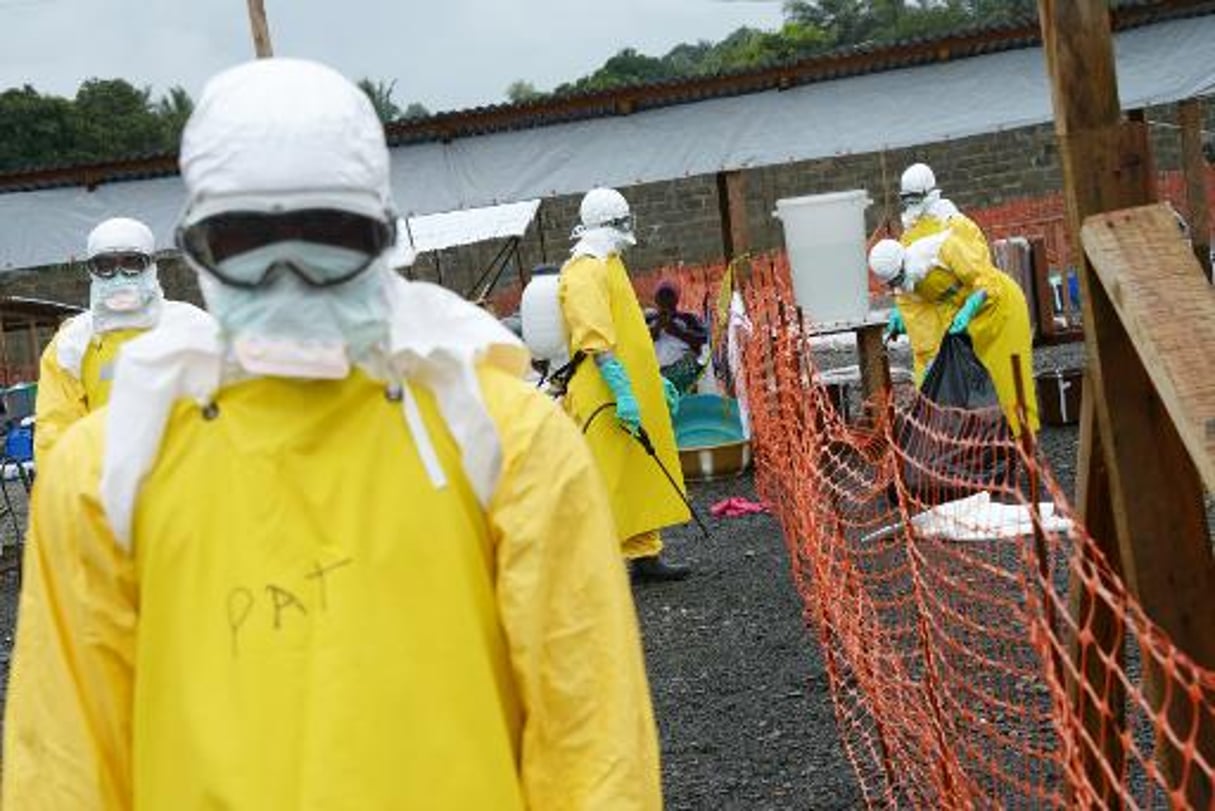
[434,232]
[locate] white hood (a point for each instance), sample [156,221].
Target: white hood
[284,132]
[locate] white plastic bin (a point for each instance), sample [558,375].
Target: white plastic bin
[825,238]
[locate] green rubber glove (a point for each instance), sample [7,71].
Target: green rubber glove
[895,326]
[628,412]
[673,397]
[968,310]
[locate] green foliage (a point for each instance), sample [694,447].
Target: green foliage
[415,110]
[36,130]
[380,93]
[111,118]
[114,118]
[811,27]
[520,91]
[174,110]
[108,118]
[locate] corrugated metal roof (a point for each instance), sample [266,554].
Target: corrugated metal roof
[841,63]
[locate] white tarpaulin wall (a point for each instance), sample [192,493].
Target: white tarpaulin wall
[1157,64]
[434,232]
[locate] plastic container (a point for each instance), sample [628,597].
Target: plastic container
[825,238]
[19,444]
[540,317]
[710,436]
[1059,393]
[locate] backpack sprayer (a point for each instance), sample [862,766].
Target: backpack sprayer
[544,334]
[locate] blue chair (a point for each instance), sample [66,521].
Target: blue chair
[17,456]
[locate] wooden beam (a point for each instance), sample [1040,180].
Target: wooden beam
[1167,308]
[1194,165]
[732,204]
[1042,291]
[31,336]
[1155,498]
[261,29]
[875,370]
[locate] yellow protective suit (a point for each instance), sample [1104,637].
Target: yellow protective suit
[999,330]
[602,314]
[64,397]
[307,623]
[925,322]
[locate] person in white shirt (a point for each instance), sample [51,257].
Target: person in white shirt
[678,338]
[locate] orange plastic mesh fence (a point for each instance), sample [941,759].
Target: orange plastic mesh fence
[961,675]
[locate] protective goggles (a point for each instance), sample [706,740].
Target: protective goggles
[127,263]
[244,248]
[623,224]
[912,198]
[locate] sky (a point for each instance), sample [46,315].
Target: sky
[445,54]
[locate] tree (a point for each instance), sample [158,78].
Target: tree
[380,94]
[628,67]
[845,22]
[174,110]
[521,91]
[114,118]
[416,110]
[36,130]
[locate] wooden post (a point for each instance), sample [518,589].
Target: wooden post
[5,366]
[1194,164]
[1104,624]
[1154,497]
[1042,292]
[875,370]
[732,205]
[261,29]
[31,332]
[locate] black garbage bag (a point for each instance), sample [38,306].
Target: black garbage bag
[955,439]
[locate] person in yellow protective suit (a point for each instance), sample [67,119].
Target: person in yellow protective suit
[125,300]
[948,273]
[333,553]
[926,212]
[607,328]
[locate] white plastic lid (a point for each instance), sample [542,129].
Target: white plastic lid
[830,198]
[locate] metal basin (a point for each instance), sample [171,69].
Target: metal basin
[710,438]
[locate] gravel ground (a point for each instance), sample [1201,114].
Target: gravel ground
[739,689]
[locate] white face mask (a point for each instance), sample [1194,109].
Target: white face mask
[125,302]
[291,329]
[602,242]
[913,212]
